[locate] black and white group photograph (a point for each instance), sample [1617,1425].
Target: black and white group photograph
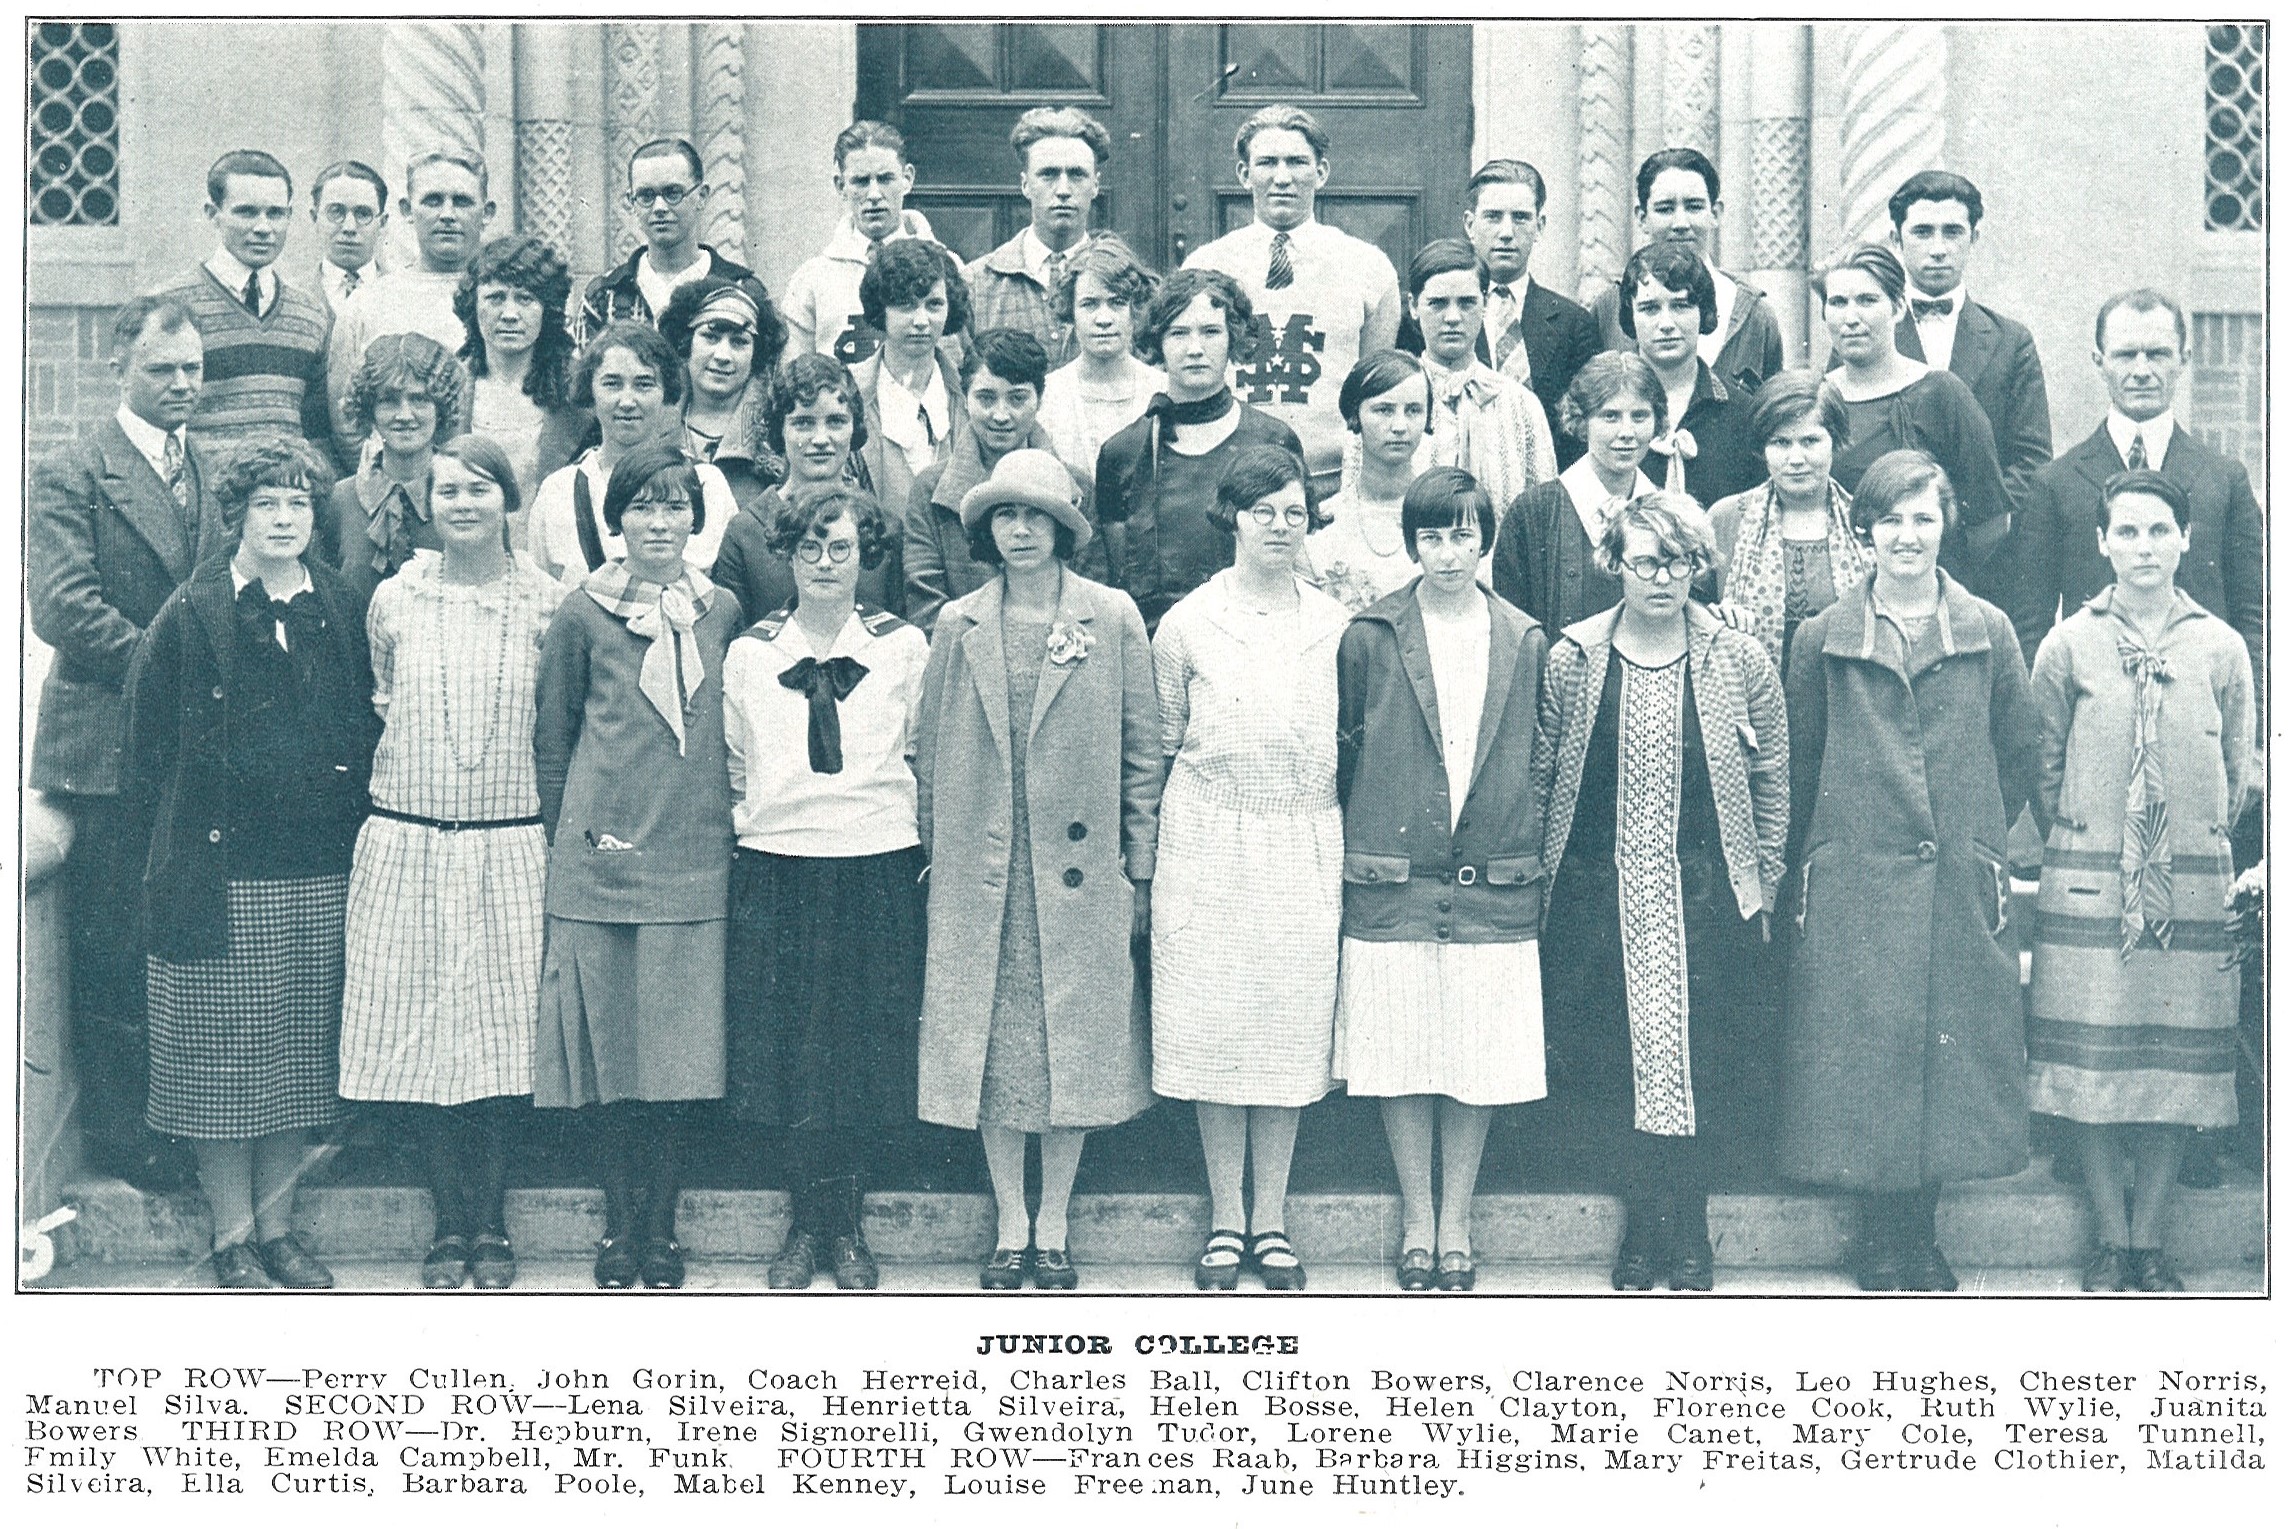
[1542,658]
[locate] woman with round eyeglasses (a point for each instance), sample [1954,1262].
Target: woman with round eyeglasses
[1914,744]
[1664,757]
[1246,668]
[1439,1016]
[518,358]
[824,955]
[629,750]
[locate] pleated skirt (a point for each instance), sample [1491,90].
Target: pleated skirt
[1466,1021]
[630,1011]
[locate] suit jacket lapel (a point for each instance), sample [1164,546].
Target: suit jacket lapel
[1417,661]
[1907,339]
[983,656]
[1977,338]
[1072,611]
[143,501]
[2096,457]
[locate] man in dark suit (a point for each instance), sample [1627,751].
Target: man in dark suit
[1938,218]
[2140,344]
[115,524]
[1530,333]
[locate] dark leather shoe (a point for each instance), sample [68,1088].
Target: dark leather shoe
[2148,1272]
[661,1264]
[1415,1271]
[1053,1269]
[796,1263]
[448,1264]
[1005,1269]
[1879,1266]
[2105,1270]
[855,1266]
[616,1263]
[1635,1270]
[1276,1261]
[1926,1269]
[1454,1272]
[237,1268]
[1691,1266]
[493,1263]
[292,1267]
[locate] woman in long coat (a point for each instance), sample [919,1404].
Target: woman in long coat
[1038,774]
[2148,708]
[1913,745]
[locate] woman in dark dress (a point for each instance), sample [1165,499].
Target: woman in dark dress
[1662,747]
[1158,477]
[250,721]
[1668,301]
[824,967]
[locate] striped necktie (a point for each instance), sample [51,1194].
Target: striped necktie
[1508,354]
[178,485]
[2137,455]
[1279,272]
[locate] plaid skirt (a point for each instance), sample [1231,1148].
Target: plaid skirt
[243,1044]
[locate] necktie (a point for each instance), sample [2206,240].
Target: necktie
[1053,271]
[1924,308]
[254,293]
[2137,456]
[349,282]
[172,464]
[924,418]
[1508,354]
[1279,272]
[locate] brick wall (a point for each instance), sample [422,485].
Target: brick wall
[67,382]
[2226,374]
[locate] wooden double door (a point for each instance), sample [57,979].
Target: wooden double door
[1397,100]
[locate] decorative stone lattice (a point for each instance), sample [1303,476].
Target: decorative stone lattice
[1604,175]
[1891,113]
[74,122]
[632,103]
[723,113]
[2236,81]
[1692,87]
[545,182]
[1779,194]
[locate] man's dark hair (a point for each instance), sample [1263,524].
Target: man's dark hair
[1675,159]
[171,314]
[245,162]
[1935,186]
[1506,172]
[661,148]
[350,169]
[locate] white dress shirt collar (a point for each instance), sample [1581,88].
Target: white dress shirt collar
[148,439]
[1591,497]
[232,272]
[2157,434]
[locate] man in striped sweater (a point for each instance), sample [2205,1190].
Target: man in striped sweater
[266,340]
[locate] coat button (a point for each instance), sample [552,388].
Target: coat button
[214,836]
[1077,832]
[218,692]
[1370,874]
[1926,849]
[1073,878]
[1443,905]
[1441,931]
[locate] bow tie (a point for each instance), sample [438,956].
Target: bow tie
[1930,308]
[268,616]
[824,684]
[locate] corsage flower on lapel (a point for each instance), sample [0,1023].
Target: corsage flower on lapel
[1069,644]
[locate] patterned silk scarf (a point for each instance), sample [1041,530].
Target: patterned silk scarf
[1758,576]
[2146,852]
[664,616]
[1649,903]
[390,526]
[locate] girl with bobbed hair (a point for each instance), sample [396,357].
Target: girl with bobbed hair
[1246,668]
[873,177]
[824,974]
[729,339]
[1544,560]
[1895,403]
[251,730]
[1670,304]
[1662,752]
[517,356]
[913,296]
[1103,296]
[1789,547]
[402,401]
[1361,556]
[1483,421]
[1439,1015]
[1914,744]
[629,751]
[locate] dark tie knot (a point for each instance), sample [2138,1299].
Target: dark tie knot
[1930,308]
[824,684]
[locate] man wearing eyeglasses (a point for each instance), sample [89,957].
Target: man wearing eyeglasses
[671,203]
[350,207]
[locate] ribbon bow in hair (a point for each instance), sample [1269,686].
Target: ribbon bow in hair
[824,684]
[1679,449]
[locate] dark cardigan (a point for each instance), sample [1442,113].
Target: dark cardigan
[179,700]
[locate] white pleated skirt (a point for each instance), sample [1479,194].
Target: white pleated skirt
[1419,1017]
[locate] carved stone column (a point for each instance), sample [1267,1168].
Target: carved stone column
[632,114]
[720,93]
[433,98]
[1603,164]
[1891,117]
[545,136]
[1774,183]
[1692,87]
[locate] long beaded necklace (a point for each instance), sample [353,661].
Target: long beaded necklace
[501,672]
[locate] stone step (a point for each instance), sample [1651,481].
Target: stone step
[2028,1222]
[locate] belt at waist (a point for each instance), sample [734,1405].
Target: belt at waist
[456,825]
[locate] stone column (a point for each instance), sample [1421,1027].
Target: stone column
[720,92]
[1692,87]
[546,198]
[1769,173]
[632,112]
[433,99]
[1603,165]
[1891,118]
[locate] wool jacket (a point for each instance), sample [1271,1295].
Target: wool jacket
[616,295]
[1998,361]
[936,550]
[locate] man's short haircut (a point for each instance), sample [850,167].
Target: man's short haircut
[2148,481]
[1674,269]
[2142,300]
[245,162]
[801,382]
[902,273]
[1678,523]
[405,362]
[1443,497]
[1439,258]
[1794,394]
[1256,472]
[1675,159]
[868,133]
[1895,477]
[642,341]
[1178,294]
[1061,122]
[662,148]
[1935,186]
[1877,261]
[1012,354]
[1282,118]
[350,169]
[172,315]
[1504,172]
[1609,375]
[793,520]
[1118,268]
[1374,376]
[475,164]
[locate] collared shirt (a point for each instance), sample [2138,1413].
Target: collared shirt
[239,582]
[553,534]
[2157,433]
[1035,255]
[1937,335]
[1591,497]
[822,307]
[233,272]
[781,805]
[149,439]
[333,279]
[916,423]
[659,285]
[1501,311]
[1724,293]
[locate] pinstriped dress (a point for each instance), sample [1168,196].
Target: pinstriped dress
[444,936]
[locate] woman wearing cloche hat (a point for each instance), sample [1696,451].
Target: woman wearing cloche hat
[1038,771]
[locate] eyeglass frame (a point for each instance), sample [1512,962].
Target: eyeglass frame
[811,550]
[1675,569]
[1293,516]
[337,215]
[672,196]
